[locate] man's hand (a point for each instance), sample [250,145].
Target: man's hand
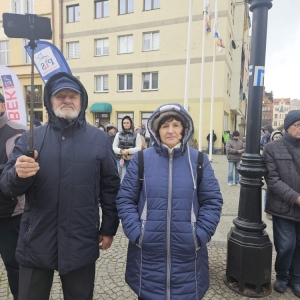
[27,166]
[105,242]
[298,201]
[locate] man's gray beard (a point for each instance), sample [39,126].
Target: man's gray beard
[68,116]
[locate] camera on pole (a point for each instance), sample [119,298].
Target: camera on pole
[33,28]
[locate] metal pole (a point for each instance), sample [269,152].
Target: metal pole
[32,45]
[202,79]
[249,249]
[212,100]
[188,58]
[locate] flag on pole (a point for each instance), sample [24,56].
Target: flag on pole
[12,93]
[48,60]
[217,37]
[208,17]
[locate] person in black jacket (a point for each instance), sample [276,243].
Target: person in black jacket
[11,208]
[73,166]
[283,202]
[214,138]
[126,143]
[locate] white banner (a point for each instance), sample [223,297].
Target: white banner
[12,93]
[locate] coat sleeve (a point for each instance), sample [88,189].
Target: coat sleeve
[210,201]
[273,179]
[109,185]
[116,144]
[10,183]
[127,201]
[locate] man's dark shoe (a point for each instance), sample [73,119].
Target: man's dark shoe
[280,286]
[296,289]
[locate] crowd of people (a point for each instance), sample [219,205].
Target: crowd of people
[164,192]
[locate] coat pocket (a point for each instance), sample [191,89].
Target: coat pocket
[140,239]
[197,247]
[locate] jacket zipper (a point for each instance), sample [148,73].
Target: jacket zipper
[168,292]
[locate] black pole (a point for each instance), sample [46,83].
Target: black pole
[32,45]
[249,249]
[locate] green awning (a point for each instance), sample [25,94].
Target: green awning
[101,107]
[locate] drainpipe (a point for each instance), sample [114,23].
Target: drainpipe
[53,22]
[61,26]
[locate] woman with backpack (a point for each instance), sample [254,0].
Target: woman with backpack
[167,216]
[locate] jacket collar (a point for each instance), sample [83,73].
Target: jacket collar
[291,139]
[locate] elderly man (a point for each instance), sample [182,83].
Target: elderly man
[74,166]
[282,161]
[11,208]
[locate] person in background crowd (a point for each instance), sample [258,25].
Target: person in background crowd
[145,134]
[267,130]
[126,143]
[36,123]
[234,150]
[111,131]
[144,145]
[282,159]
[213,142]
[275,135]
[101,127]
[225,138]
[73,166]
[11,208]
[169,219]
[143,130]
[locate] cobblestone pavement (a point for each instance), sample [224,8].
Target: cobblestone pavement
[111,265]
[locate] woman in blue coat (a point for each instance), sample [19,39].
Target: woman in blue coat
[169,219]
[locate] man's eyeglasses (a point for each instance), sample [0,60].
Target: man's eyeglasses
[297,125]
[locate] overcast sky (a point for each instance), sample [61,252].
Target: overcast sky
[282,74]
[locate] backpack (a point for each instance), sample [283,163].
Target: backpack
[141,167]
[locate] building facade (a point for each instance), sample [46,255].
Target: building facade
[267,109]
[131,57]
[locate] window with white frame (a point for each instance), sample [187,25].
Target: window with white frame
[125,7]
[125,44]
[4,53]
[151,4]
[101,47]
[121,116]
[151,41]
[29,6]
[73,50]
[16,6]
[125,82]
[101,9]
[150,81]
[101,83]
[73,13]
[26,57]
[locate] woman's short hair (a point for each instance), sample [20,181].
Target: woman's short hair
[169,119]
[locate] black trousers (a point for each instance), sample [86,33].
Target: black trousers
[9,232]
[36,283]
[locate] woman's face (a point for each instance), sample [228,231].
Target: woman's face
[126,124]
[276,137]
[170,133]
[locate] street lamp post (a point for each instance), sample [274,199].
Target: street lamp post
[249,249]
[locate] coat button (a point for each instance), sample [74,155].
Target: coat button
[63,138]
